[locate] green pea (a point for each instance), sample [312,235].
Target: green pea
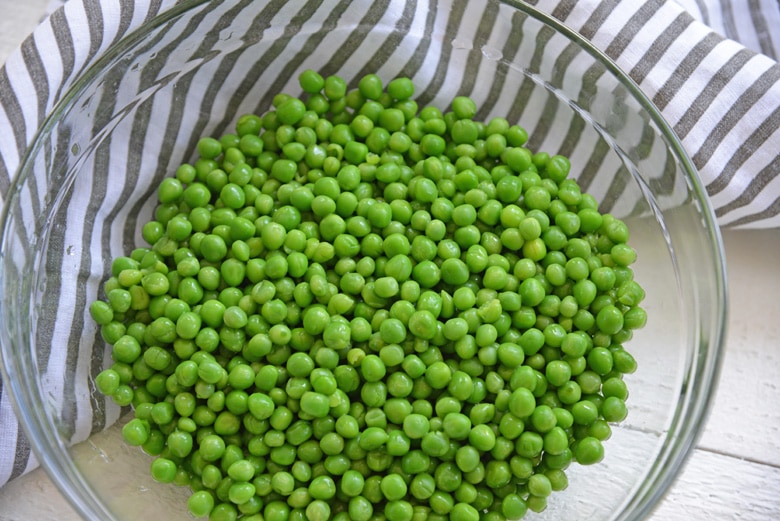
[393,487]
[360,509]
[108,381]
[457,426]
[200,503]
[588,451]
[609,320]
[614,409]
[482,437]
[315,404]
[311,81]
[136,432]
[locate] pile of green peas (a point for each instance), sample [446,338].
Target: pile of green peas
[357,309]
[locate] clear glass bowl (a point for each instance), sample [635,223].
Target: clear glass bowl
[87,186]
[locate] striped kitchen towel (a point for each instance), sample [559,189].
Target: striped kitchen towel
[709,65]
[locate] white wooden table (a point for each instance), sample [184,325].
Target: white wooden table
[734,473]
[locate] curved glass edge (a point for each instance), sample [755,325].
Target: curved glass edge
[705,372]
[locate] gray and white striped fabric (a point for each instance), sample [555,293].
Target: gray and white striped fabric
[709,66]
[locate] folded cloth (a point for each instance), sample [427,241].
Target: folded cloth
[721,96]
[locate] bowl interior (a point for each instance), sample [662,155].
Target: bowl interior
[88,185]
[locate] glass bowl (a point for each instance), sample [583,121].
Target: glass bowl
[87,185]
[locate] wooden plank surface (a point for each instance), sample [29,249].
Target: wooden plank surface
[718,487]
[745,418]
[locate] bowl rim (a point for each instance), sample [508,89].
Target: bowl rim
[681,437]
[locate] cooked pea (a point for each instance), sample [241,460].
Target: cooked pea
[588,451]
[311,81]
